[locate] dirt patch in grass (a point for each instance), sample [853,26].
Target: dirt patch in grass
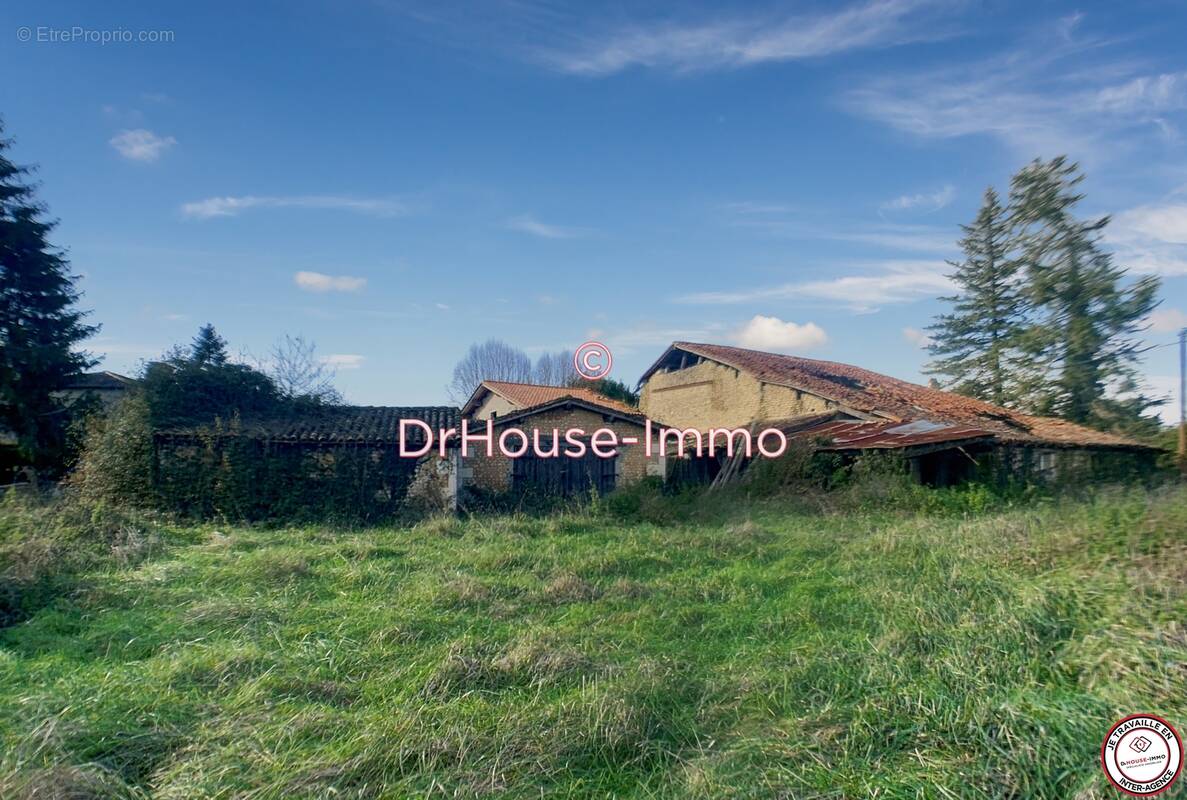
[472,666]
[570,588]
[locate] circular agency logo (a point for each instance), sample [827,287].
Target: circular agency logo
[593,361]
[1142,755]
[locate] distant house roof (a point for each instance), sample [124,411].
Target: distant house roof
[337,425]
[874,395]
[632,415]
[99,381]
[530,395]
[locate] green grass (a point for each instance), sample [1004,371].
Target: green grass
[763,652]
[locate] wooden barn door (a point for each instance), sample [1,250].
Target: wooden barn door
[563,475]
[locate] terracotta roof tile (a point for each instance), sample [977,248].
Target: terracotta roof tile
[529,395]
[872,393]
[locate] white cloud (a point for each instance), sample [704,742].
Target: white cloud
[1151,239]
[1162,223]
[893,282]
[526,223]
[342,360]
[320,282]
[141,144]
[231,206]
[917,337]
[742,41]
[1168,320]
[772,333]
[928,201]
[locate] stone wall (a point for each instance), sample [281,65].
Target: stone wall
[631,464]
[709,394]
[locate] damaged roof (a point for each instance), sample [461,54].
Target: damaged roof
[867,435]
[863,392]
[336,425]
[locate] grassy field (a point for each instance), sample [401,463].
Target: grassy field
[759,651]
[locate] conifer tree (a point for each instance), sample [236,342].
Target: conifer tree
[208,348]
[1086,317]
[40,325]
[974,348]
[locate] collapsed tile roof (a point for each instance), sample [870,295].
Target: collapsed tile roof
[874,395]
[529,395]
[337,425]
[843,434]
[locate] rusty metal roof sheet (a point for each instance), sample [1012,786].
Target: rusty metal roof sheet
[885,435]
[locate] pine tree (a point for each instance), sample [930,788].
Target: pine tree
[1087,319]
[208,349]
[40,325]
[974,348]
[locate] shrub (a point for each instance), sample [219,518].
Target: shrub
[116,464]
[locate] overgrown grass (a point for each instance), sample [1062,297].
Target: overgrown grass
[650,647]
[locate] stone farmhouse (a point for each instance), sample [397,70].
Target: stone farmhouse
[945,437]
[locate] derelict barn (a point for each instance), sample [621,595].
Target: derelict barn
[346,459]
[946,438]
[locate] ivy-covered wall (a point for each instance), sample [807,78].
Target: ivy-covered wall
[240,477]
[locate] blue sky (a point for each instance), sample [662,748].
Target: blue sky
[395,181]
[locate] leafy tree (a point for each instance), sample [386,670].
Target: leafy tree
[975,346]
[40,325]
[1087,319]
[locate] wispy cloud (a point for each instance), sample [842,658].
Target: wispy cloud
[1151,238]
[526,223]
[1040,99]
[752,39]
[890,282]
[772,333]
[926,201]
[921,239]
[141,144]
[343,360]
[232,206]
[320,282]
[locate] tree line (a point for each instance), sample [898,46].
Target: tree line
[1043,320]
